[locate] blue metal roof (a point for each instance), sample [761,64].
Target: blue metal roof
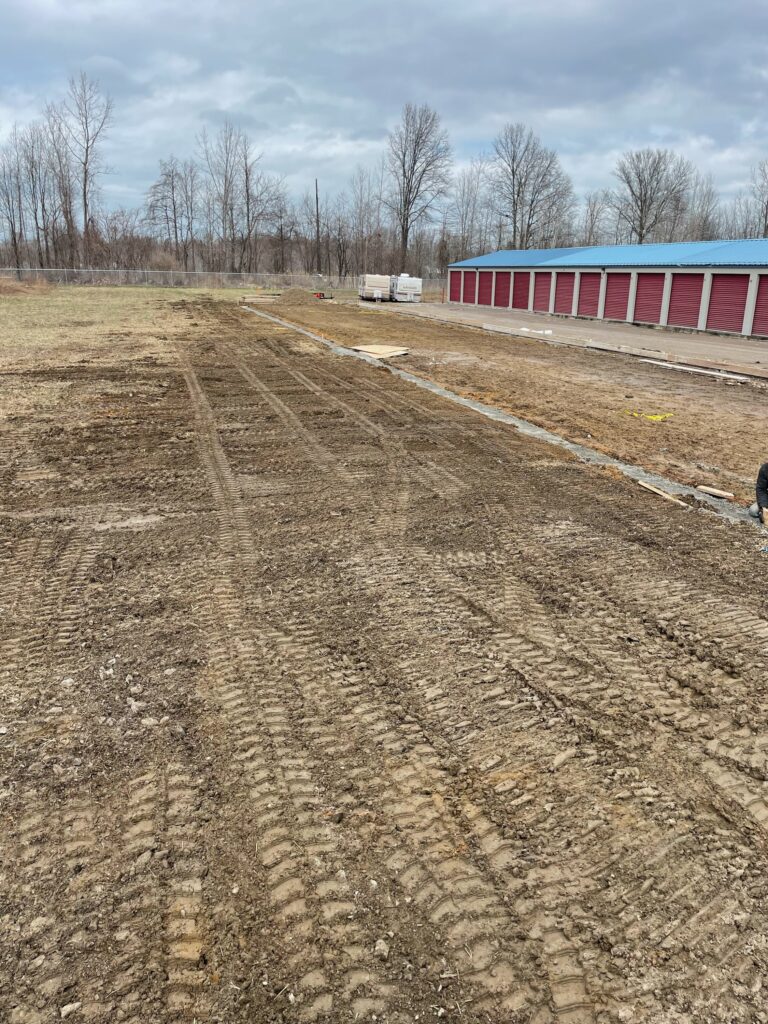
[745,252]
[517,257]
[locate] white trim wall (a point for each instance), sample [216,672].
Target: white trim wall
[632,297]
[665,297]
[706,293]
[749,311]
[601,297]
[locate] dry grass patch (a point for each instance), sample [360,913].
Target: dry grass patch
[90,324]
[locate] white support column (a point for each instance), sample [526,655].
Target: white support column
[665,299]
[552,286]
[706,291]
[749,309]
[511,286]
[576,287]
[601,300]
[493,289]
[632,296]
[531,286]
[477,284]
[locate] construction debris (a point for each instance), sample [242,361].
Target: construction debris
[381,351]
[264,298]
[662,494]
[713,491]
[654,417]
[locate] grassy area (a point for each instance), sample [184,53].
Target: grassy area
[65,324]
[79,322]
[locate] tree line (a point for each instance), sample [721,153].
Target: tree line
[218,209]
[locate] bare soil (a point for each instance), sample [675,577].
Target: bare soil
[710,431]
[325,699]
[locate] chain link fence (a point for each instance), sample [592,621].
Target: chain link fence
[196,279]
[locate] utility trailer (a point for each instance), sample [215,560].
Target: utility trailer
[405,288]
[374,287]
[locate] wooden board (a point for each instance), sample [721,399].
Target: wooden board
[714,492]
[662,494]
[381,351]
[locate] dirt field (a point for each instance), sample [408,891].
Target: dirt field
[716,433]
[322,698]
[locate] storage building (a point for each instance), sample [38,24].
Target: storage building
[707,286]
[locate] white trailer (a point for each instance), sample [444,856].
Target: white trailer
[374,286]
[404,288]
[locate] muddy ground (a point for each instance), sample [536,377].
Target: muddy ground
[711,432]
[318,701]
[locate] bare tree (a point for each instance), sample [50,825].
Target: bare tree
[532,191]
[339,229]
[87,116]
[37,188]
[11,195]
[652,187]
[285,229]
[365,219]
[165,207]
[262,196]
[759,194]
[703,221]
[740,218]
[419,162]
[118,241]
[222,157]
[594,216]
[65,238]
[469,206]
[305,216]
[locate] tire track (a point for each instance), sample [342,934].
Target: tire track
[559,951]
[281,786]
[497,978]
[712,905]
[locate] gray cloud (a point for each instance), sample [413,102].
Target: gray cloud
[318,86]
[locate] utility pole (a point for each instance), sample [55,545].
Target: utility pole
[317,229]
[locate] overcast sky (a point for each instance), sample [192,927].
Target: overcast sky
[318,85]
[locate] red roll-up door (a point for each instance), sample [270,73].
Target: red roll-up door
[616,296]
[541,287]
[727,302]
[564,292]
[521,289]
[470,283]
[685,300]
[589,294]
[455,286]
[485,287]
[648,299]
[760,323]
[503,281]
